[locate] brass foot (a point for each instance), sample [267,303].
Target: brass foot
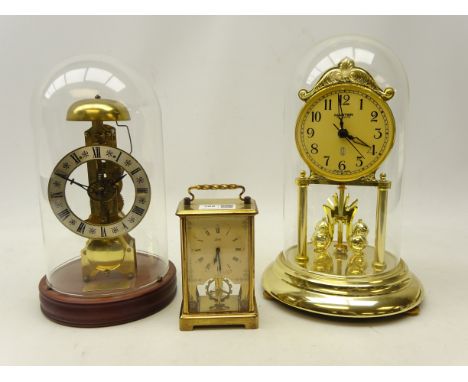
[185,326]
[251,325]
[267,295]
[413,312]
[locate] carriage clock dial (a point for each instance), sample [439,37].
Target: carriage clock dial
[218,264]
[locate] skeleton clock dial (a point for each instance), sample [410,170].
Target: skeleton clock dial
[107,220]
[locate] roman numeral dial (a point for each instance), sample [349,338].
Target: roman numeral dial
[64,178]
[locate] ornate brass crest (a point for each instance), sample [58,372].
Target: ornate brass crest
[347,72]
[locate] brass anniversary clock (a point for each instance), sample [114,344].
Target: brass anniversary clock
[217,243]
[102,182]
[341,264]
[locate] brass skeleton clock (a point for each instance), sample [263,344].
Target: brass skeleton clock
[217,239]
[100,161]
[101,194]
[109,248]
[344,133]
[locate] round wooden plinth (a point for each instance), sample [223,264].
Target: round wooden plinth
[92,312]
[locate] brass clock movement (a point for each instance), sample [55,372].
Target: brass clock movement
[217,239]
[344,133]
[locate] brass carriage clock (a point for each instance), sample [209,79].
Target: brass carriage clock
[344,133]
[217,244]
[101,163]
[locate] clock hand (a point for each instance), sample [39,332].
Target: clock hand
[119,179]
[343,133]
[72,181]
[355,148]
[340,111]
[217,259]
[359,141]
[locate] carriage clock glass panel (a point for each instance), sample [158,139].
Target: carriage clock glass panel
[98,128]
[217,240]
[344,125]
[218,264]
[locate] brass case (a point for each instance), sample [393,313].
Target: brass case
[188,320]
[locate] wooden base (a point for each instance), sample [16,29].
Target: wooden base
[81,311]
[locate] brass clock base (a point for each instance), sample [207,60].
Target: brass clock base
[249,319]
[377,295]
[81,311]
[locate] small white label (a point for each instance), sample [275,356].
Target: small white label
[217,207]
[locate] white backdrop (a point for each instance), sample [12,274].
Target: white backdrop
[220,77]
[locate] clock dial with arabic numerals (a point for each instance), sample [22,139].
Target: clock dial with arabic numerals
[100,191]
[345,132]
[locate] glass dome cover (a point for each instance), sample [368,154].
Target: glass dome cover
[100,159]
[345,115]
[388,73]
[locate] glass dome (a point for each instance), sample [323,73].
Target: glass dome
[101,166]
[342,219]
[388,72]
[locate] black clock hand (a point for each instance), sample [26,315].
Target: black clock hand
[355,148]
[343,133]
[119,179]
[217,259]
[359,141]
[72,181]
[340,111]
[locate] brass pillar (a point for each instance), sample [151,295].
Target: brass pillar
[301,257]
[381,223]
